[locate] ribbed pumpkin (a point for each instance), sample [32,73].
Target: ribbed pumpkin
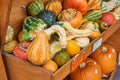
[35,7]
[39,50]
[73,16]
[88,70]
[80,5]
[106,57]
[55,6]
[48,17]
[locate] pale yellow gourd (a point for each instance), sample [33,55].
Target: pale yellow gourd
[9,34]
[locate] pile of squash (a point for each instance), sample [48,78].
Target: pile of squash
[54,32]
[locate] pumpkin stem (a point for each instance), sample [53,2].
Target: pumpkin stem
[82,65]
[104,49]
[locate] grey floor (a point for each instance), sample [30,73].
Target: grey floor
[117,74]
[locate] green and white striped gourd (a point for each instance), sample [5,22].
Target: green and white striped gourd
[93,15]
[108,6]
[35,7]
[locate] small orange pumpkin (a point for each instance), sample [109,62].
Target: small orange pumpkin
[73,16]
[106,56]
[88,70]
[51,66]
[72,47]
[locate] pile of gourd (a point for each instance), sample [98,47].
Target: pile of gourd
[56,31]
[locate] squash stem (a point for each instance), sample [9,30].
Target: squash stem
[82,65]
[104,49]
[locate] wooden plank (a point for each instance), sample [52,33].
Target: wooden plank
[114,40]
[4,11]
[65,70]
[18,69]
[3,75]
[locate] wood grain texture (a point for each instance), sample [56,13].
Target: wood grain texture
[4,16]
[18,69]
[3,75]
[114,40]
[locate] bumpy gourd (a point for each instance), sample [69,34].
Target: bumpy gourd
[66,25]
[55,6]
[73,16]
[110,5]
[9,34]
[48,17]
[35,7]
[39,50]
[61,32]
[31,26]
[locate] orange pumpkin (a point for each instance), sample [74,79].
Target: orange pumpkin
[51,66]
[80,5]
[106,56]
[72,47]
[88,70]
[73,16]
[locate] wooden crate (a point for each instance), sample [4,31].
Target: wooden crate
[18,69]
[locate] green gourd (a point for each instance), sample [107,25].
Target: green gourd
[61,57]
[48,17]
[93,15]
[35,7]
[31,25]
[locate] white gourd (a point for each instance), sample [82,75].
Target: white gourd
[61,32]
[82,41]
[70,29]
[54,48]
[9,34]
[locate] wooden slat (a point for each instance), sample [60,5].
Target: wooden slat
[4,11]
[3,75]
[18,69]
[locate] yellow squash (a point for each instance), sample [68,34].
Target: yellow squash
[39,49]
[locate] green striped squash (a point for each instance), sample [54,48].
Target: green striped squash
[35,7]
[93,15]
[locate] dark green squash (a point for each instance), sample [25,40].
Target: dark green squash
[61,57]
[30,26]
[48,17]
[102,25]
[35,7]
